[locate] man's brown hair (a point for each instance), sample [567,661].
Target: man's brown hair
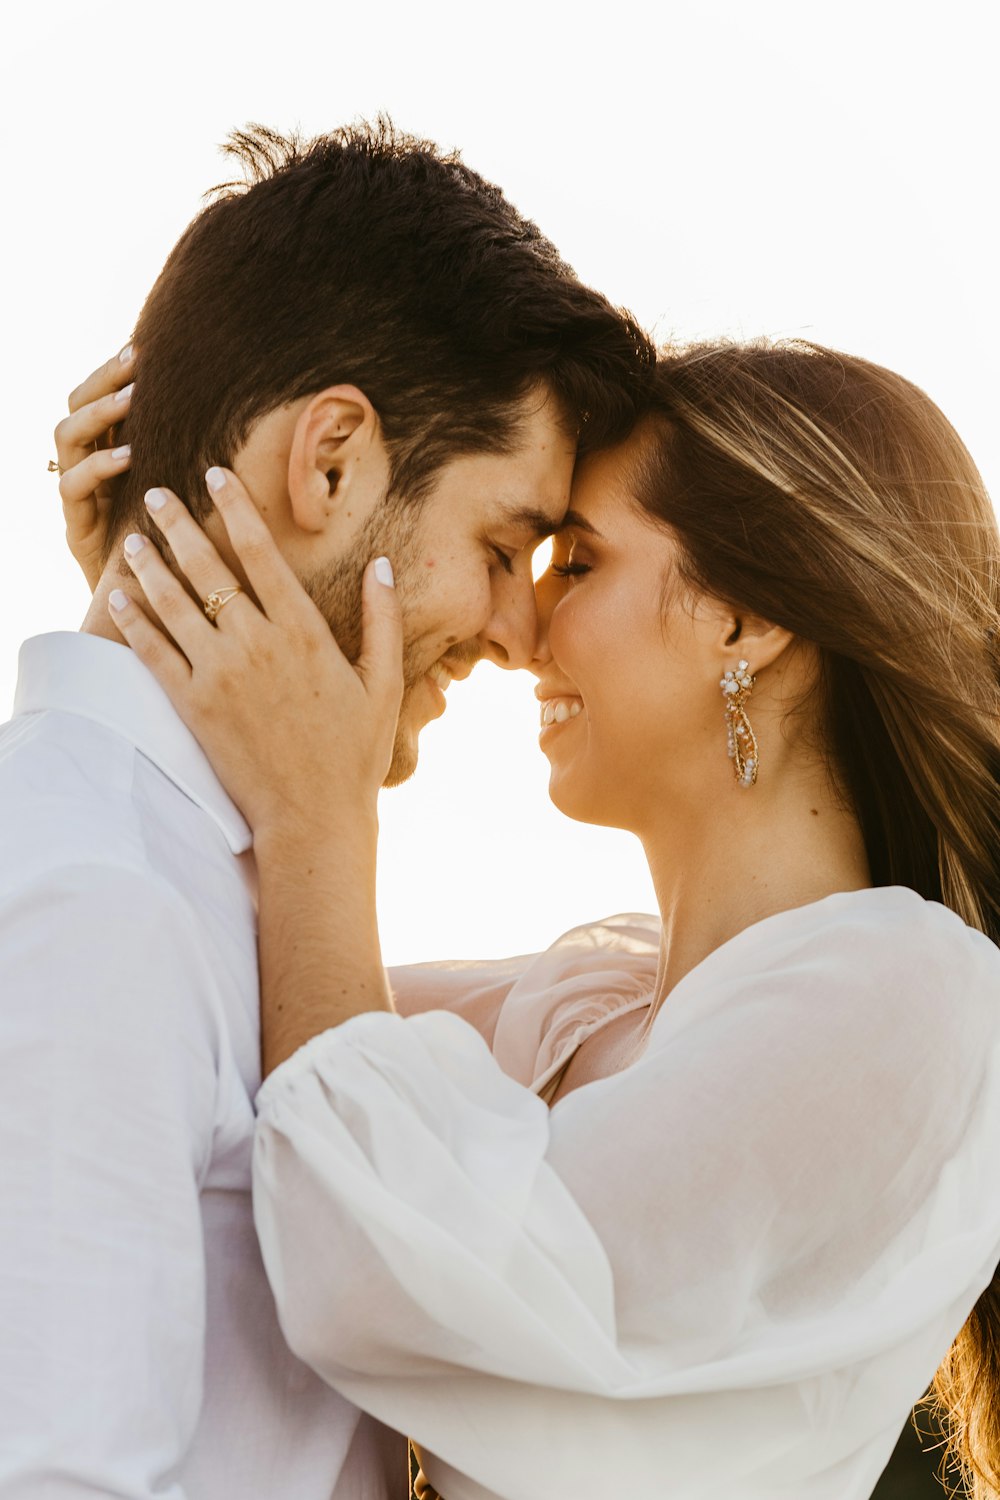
[370,258]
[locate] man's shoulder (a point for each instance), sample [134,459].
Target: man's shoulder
[65,796]
[108,868]
[79,893]
[92,825]
[76,795]
[50,751]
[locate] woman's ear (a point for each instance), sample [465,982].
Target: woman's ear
[753,639]
[335,449]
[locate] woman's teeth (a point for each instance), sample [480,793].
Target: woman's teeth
[439,674]
[558,710]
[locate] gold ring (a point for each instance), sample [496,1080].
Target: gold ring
[54,467]
[218,601]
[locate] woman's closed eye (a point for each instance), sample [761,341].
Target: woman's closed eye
[569,569]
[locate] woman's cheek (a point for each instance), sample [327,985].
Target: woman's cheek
[576,630]
[561,633]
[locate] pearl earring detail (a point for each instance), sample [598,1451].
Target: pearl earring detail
[741,740]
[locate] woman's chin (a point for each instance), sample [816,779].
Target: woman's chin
[569,794]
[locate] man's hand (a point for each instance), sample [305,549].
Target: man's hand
[87,460]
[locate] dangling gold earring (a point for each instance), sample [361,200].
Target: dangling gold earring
[742,742]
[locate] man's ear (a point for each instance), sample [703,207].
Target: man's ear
[336,451]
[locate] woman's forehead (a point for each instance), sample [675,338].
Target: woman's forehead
[604,488]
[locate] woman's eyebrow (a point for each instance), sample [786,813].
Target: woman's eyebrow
[573,520]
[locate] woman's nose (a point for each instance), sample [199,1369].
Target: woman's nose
[546,596]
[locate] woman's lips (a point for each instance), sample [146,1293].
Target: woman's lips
[559,710]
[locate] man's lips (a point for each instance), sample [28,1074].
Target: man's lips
[454,665]
[442,673]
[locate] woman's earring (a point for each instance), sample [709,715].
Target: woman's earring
[742,742]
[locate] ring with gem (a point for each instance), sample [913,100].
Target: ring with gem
[217,601]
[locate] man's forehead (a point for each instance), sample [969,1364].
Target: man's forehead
[535,502]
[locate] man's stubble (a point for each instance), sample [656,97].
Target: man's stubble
[390,531]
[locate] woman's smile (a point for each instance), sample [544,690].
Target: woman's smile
[557,711]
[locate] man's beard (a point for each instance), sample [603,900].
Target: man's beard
[336,592]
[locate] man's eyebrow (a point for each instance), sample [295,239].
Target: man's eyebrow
[527,518]
[573,520]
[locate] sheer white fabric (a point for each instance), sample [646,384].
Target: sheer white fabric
[729,1270]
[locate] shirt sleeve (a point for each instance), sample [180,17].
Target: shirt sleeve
[109,1039]
[796,1175]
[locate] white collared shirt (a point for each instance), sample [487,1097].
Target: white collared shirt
[140,1353]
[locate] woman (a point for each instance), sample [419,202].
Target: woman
[709,1229]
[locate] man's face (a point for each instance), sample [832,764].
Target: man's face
[462,560]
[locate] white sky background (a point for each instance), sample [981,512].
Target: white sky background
[780,168]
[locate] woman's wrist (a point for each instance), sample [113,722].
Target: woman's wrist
[320,959]
[324,835]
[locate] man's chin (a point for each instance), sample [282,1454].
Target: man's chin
[422,702]
[404,751]
[404,761]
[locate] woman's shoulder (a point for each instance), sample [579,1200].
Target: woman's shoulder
[881,934]
[875,958]
[862,939]
[856,971]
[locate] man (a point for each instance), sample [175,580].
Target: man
[393,360]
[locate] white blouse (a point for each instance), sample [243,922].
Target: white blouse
[727,1271]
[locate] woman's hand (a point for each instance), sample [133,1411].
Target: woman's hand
[297,735]
[88,462]
[301,739]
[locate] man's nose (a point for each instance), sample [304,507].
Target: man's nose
[509,637]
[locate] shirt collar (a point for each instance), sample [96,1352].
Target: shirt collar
[107,683]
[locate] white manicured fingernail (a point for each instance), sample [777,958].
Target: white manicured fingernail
[155,500]
[117,600]
[123,452]
[383,572]
[215,479]
[126,354]
[134,543]
[125,392]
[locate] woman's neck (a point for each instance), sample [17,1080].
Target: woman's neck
[746,856]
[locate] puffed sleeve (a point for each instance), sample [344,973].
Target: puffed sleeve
[532,1008]
[796,1177]
[475,989]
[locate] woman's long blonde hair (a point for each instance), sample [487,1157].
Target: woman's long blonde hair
[833,497]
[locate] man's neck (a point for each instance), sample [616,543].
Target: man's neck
[98,620]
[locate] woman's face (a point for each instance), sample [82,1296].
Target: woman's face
[629,662]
